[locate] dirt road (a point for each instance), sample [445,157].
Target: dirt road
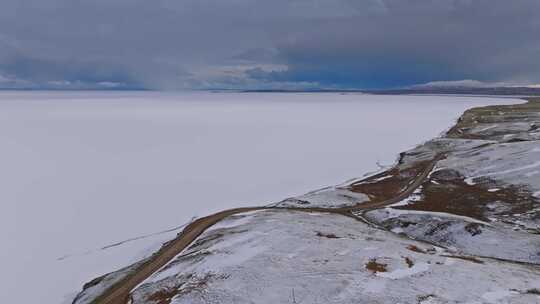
[119,293]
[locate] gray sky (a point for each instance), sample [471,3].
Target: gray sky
[280,44]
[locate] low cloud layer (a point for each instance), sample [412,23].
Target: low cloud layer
[241,44]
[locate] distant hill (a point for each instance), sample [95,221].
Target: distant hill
[526,91]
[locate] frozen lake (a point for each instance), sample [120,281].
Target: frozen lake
[82,170]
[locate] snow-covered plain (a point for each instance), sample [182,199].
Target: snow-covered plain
[83,170]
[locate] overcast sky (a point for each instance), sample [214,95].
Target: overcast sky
[277,44]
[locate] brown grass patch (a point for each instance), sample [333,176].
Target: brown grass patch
[188,283]
[394,183]
[163,296]
[375,267]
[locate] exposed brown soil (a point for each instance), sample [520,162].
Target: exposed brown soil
[162,296]
[450,194]
[375,267]
[188,283]
[416,249]
[395,182]
[421,171]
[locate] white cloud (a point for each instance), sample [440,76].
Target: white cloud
[8,81]
[342,43]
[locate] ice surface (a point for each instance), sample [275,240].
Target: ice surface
[83,170]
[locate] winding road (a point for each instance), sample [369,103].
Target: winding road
[119,292]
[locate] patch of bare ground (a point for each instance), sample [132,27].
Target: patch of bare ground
[391,183]
[424,298]
[409,262]
[534,291]
[375,267]
[449,193]
[322,261]
[473,228]
[188,283]
[163,296]
[327,235]
[416,249]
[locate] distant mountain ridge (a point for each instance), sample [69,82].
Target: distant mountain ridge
[507,91]
[450,90]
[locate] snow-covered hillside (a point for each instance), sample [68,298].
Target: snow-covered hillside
[297,257]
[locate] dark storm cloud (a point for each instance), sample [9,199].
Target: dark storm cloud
[168,44]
